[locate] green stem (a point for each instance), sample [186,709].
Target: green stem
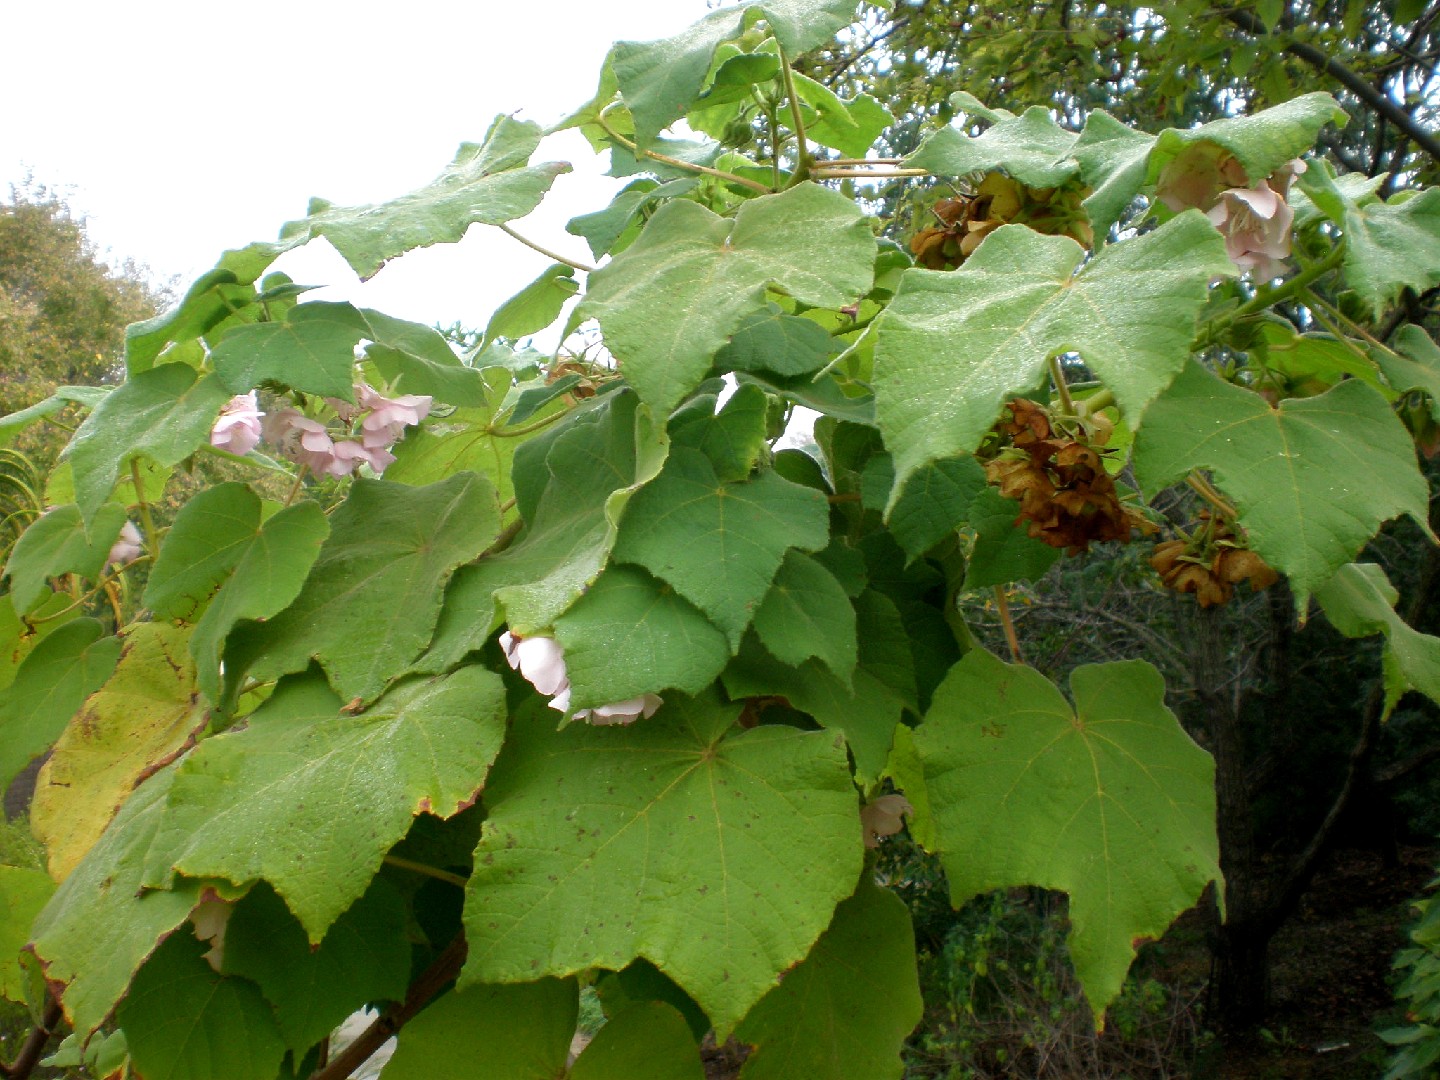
[823,173]
[1101,399]
[1201,487]
[295,487]
[515,433]
[1057,374]
[1265,298]
[721,174]
[151,538]
[1317,311]
[427,871]
[1313,299]
[554,256]
[804,162]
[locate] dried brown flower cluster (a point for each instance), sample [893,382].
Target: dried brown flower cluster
[1060,481]
[1210,563]
[999,200]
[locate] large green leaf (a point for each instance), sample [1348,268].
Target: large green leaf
[1388,246]
[488,183]
[1359,600]
[1312,480]
[57,675]
[734,438]
[1004,551]
[1113,161]
[371,601]
[535,306]
[785,345]
[585,482]
[720,544]
[144,716]
[845,1012]
[718,856]
[807,614]
[364,957]
[850,126]
[100,925]
[269,562]
[426,745]
[934,502]
[164,413]
[650,1039]
[659,80]
[1109,801]
[952,347]
[1031,147]
[182,1021]
[671,300]
[312,349]
[24,891]
[631,635]
[56,543]
[862,707]
[519,1032]
[209,536]
[1262,142]
[1415,366]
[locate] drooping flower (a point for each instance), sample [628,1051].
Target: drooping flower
[238,428]
[1255,219]
[126,548]
[209,921]
[391,415]
[883,817]
[542,661]
[1256,223]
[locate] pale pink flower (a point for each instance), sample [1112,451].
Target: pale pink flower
[620,712]
[238,428]
[1195,177]
[1256,225]
[542,661]
[209,920]
[883,817]
[126,548]
[391,414]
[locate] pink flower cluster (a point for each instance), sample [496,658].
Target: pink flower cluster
[308,442]
[1254,219]
[542,661]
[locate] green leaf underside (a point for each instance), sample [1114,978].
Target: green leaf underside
[807,614]
[659,80]
[325,793]
[1415,367]
[673,298]
[952,347]
[364,957]
[587,473]
[1359,600]
[24,891]
[649,1039]
[1031,147]
[371,601]
[65,668]
[864,710]
[56,543]
[657,835]
[1387,247]
[487,183]
[271,566]
[164,414]
[145,715]
[1312,480]
[1110,802]
[521,1031]
[845,1012]
[630,635]
[100,925]
[1262,142]
[719,544]
[1004,551]
[312,350]
[182,1021]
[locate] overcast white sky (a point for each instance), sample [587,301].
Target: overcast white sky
[180,129]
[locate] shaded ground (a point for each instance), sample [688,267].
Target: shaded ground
[1330,974]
